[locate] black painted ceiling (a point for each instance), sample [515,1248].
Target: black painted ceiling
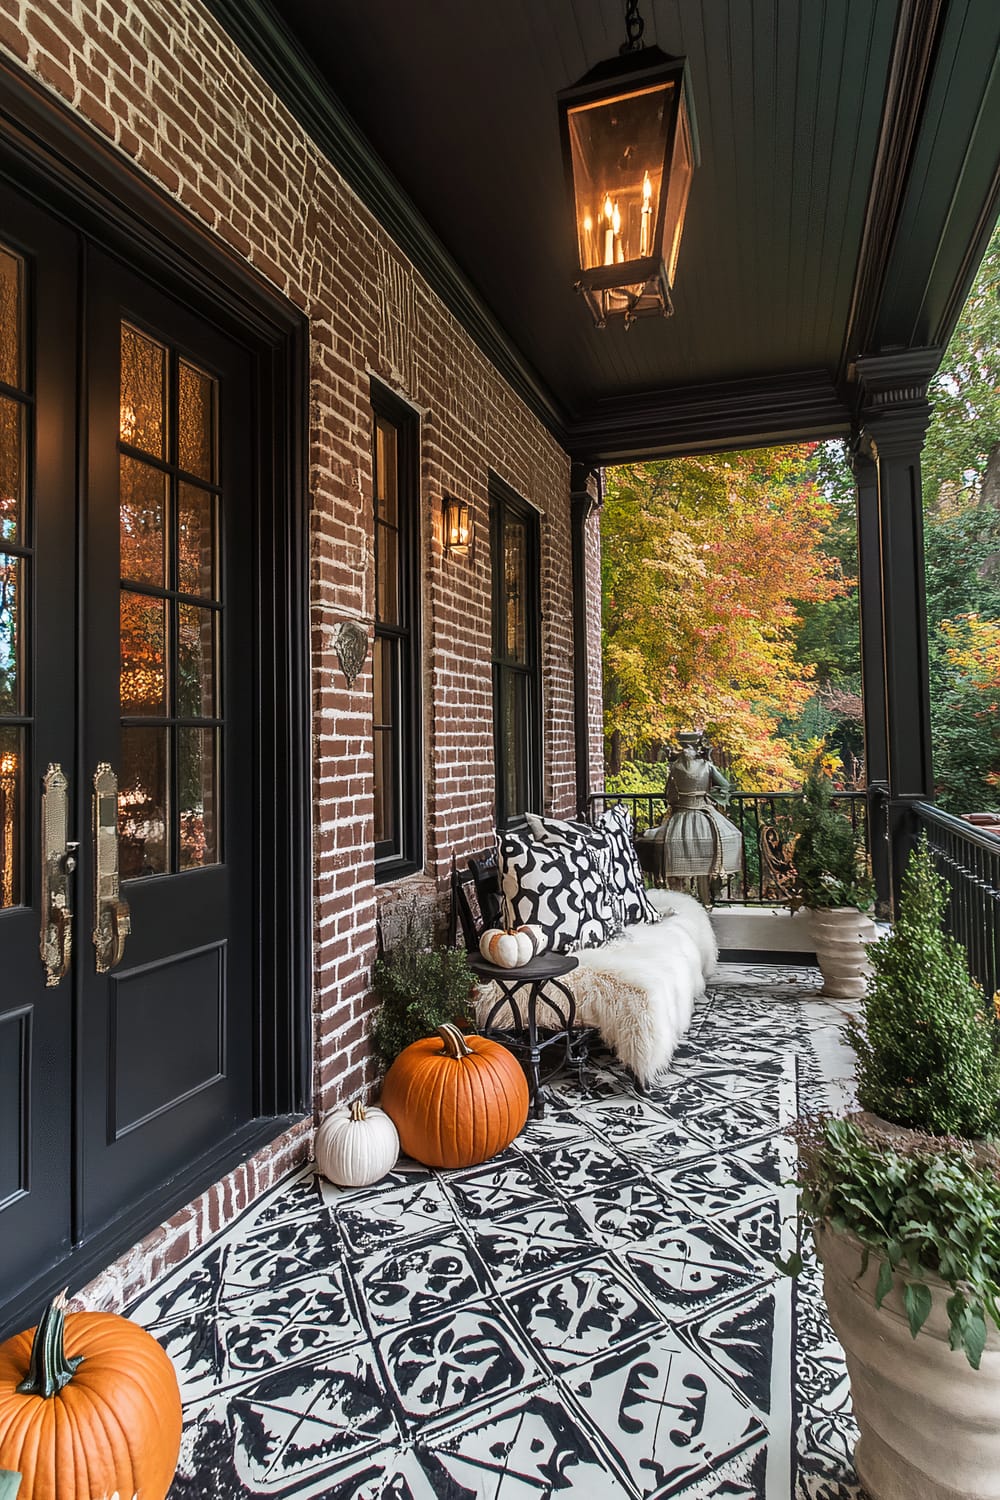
[458,97]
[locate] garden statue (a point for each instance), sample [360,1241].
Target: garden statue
[696,840]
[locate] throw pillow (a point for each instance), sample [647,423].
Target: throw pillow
[560,890]
[616,824]
[557,834]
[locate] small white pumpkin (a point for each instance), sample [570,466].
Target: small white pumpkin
[506,948]
[356,1146]
[539,941]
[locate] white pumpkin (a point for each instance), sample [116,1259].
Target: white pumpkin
[539,941]
[356,1146]
[507,949]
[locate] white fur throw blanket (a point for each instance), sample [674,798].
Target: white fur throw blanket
[639,991]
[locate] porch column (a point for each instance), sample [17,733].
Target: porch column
[893,413]
[585,498]
[873,665]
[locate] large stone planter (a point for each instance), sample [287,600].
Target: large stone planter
[929,1423]
[839,936]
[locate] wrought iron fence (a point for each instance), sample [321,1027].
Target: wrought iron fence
[763,818]
[969,859]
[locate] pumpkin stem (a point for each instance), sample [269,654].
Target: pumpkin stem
[455,1044]
[358,1111]
[49,1369]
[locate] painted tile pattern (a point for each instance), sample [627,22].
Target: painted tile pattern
[593,1314]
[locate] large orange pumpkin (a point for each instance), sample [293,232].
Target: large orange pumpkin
[455,1100]
[89,1405]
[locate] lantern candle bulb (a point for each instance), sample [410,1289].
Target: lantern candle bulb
[616,226]
[609,232]
[647,215]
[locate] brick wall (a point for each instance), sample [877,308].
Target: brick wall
[162,81]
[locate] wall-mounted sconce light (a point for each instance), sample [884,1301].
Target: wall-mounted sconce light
[457,526]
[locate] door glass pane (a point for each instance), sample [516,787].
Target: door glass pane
[143,503]
[196,421]
[195,662]
[143,392]
[11,305]
[142,803]
[515,743]
[11,814]
[385,823]
[144,655]
[514,561]
[11,625]
[11,469]
[387,576]
[197,797]
[386,467]
[196,543]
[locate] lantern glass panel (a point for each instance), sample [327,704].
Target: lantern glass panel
[618,148]
[678,187]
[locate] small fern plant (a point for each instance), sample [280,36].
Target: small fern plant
[928,1045]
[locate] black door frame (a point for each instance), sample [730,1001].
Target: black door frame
[50,154]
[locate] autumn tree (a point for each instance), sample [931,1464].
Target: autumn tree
[707,564]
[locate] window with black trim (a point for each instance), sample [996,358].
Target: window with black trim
[517,732]
[396,652]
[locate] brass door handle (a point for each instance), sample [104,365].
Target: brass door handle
[58,864]
[112,918]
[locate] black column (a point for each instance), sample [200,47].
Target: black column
[892,421]
[585,498]
[865,470]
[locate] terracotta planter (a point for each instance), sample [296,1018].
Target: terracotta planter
[929,1428]
[839,936]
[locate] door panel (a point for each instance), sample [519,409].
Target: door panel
[168,1034]
[38,378]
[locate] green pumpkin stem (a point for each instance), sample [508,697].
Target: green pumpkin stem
[49,1369]
[455,1044]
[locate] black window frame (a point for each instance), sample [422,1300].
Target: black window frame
[402,854]
[504,502]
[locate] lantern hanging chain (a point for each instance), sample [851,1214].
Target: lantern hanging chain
[634,28]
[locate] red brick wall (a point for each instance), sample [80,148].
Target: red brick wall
[163,81]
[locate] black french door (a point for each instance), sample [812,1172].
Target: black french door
[127,776]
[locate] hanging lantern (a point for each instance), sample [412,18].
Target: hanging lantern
[456,525]
[630,147]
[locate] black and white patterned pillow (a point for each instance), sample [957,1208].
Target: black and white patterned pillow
[616,824]
[559,889]
[557,834]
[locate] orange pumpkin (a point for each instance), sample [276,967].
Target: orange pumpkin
[89,1405]
[455,1100]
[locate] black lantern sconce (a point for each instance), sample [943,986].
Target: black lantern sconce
[456,526]
[630,146]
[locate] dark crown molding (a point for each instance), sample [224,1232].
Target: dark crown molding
[266,41]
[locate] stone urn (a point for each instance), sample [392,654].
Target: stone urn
[928,1420]
[839,936]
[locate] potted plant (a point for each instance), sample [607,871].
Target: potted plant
[904,1205]
[420,984]
[833,882]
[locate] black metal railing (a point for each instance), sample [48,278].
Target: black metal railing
[759,881]
[969,859]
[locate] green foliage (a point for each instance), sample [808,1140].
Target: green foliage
[831,868]
[929,1047]
[420,985]
[925,1207]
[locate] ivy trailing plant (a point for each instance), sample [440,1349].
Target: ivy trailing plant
[831,867]
[928,1045]
[924,1206]
[420,985]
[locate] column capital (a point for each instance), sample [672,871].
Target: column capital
[585,491]
[892,406]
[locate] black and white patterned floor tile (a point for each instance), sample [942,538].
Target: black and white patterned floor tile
[595,1313]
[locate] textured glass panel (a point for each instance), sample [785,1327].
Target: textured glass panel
[11,316]
[387,575]
[195,662]
[11,468]
[11,627]
[514,578]
[143,655]
[515,743]
[143,407]
[385,793]
[386,468]
[196,421]
[142,803]
[11,814]
[383,676]
[196,549]
[197,790]
[143,509]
